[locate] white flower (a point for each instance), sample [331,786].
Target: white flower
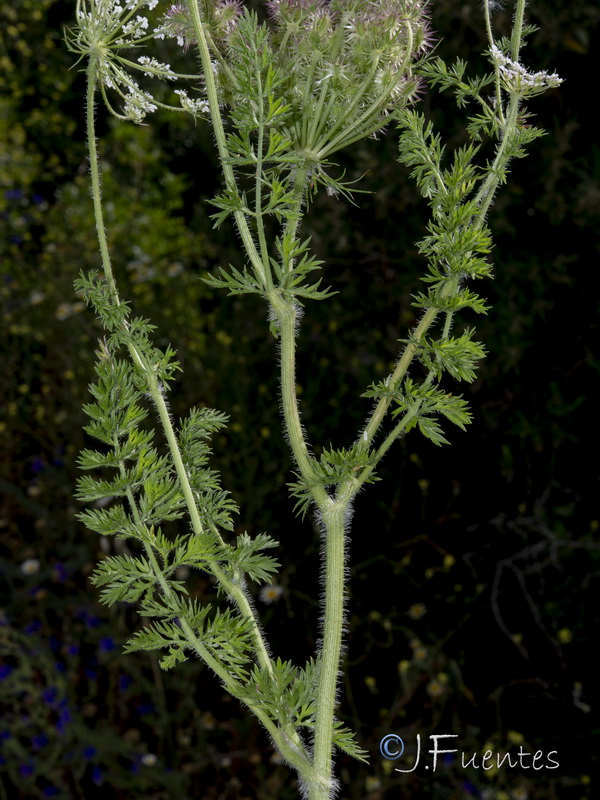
[518,79]
[193,106]
[156,68]
[36,297]
[149,759]
[30,566]
[138,104]
[63,311]
[270,593]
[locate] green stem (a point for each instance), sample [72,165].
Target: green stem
[286,314]
[490,36]
[291,750]
[356,483]
[335,519]
[233,589]
[92,72]
[291,228]
[261,268]
[344,138]
[486,194]
[398,374]
[343,118]
[258,182]
[517,31]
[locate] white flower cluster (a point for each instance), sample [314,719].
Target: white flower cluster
[157,69]
[106,26]
[518,79]
[138,104]
[136,28]
[193,106]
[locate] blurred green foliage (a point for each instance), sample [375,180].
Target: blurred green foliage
[471,607]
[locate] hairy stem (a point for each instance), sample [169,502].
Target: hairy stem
[232,588]
[335,520]
[290,749]
[261,268]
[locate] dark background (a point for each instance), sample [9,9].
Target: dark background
[472,606]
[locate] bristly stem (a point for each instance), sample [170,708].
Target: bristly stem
[236,591]
[261,268]
[335,520]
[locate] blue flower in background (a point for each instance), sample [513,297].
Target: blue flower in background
[41,740]
[5,670]
[49,695]
[64,717]
[107,644]
[90,621]
[98,775]
[125,682]
[37,465]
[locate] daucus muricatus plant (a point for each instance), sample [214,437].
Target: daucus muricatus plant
[283,96]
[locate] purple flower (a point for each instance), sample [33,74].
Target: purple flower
[41,740]
[60,572]
[49,695]
[5,670]
[89,752]
[97,775]
[25,770]
[37,465]
[90,621]
[33,627]
[107,644]
[73,649]
[64,718]
[125,682]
